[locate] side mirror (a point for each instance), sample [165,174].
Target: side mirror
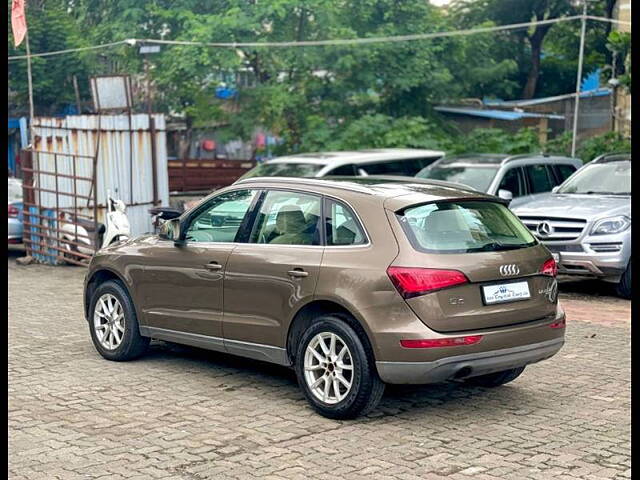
[555,189]
[505,194]
[170,230]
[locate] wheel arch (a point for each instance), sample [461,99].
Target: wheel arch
[101,275]
[323,306]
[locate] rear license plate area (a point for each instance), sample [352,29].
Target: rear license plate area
[505,292]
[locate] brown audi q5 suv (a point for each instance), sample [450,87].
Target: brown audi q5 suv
[352,282]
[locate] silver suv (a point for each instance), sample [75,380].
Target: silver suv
[586,221]
[508,176]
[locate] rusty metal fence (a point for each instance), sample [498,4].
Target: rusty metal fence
[56,204]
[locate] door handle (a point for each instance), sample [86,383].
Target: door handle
[298,273]
[213,266]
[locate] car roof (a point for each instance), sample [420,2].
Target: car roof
[356,156]
[497,159]
[394,192]
[612,157]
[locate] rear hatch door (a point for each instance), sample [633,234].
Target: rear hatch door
[496,253]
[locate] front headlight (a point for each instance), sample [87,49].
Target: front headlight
[611,225]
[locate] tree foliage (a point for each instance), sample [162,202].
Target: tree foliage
[316,98]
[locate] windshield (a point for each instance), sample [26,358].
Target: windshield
[612,178]
[284,170]
[464,227]
[478,177]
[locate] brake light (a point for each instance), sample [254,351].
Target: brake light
[550,267]
[13,211]
[560,324]
[441,342]
[412,282]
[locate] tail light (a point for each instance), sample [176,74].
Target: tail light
[441,342]
[412,282]
[550,267]
[13,211]
[560,324]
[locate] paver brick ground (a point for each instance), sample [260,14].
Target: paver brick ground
[184,413]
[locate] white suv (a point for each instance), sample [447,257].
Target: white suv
[387,161]
[508,176]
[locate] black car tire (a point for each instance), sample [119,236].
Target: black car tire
[366,387]
[624,286]
[133,344]
[495,379]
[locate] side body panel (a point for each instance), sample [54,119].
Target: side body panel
[261,296]
[178,292]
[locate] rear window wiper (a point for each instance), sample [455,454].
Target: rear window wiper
[494,247]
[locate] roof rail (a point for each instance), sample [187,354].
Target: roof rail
[309,181]
[610,157]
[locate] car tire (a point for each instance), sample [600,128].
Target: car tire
[120,339]
[364,389]
[496,379]
[624,286]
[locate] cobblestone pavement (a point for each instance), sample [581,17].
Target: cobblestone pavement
[184,413]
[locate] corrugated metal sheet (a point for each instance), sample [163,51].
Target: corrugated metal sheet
[496,114]
[123,165]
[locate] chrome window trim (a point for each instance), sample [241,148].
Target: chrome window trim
[297,190]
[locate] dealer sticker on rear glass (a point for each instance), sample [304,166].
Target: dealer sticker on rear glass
[506,292]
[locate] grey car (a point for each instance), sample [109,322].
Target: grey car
[586,221]
[507,176]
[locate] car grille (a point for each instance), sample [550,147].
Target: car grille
[561,229]
[565,248]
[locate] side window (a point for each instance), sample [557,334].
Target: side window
[393,167]
[221,219]
[414,165]
[565,171]
[539,178]
[346,170]
[512,181]
[287,218]
[342,225]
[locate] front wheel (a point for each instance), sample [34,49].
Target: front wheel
[113,323]
[336,370]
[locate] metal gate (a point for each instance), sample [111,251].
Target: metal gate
[59,195]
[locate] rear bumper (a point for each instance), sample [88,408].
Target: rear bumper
[471,365]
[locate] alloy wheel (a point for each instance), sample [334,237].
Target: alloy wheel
[109,321]
[328,368]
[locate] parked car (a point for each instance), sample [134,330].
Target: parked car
[329,277]
[390,161]
[14,190]
[508,176]
[586,221]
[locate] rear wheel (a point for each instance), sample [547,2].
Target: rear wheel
[336,370]
[624,286]
[495,379]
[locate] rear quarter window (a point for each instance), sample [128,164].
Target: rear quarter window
[464,227]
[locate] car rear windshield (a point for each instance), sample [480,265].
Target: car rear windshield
[284,170]
[464,227]
[477,177]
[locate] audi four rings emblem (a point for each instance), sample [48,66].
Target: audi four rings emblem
[544,229]
[511,269]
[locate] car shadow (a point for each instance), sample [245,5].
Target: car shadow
[587,287]
[408,400]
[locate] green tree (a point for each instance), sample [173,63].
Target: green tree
[50,28]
